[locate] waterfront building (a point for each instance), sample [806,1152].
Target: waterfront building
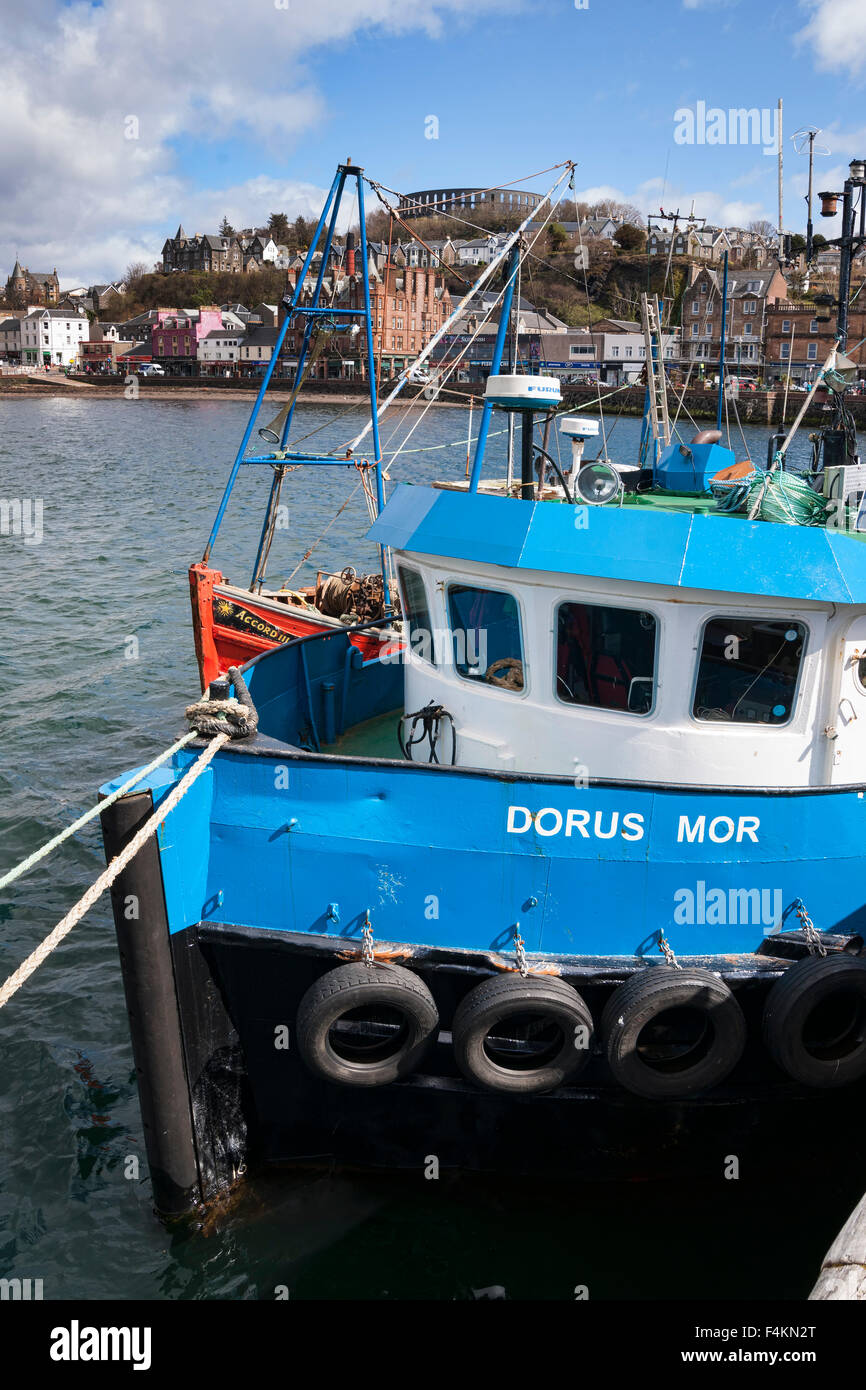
[175,338]
[10,340]
[257,349]
[100,355]
[218,352]
[53,336]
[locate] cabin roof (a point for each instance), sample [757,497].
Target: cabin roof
[651,544]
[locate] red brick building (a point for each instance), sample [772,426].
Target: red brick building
[407,307]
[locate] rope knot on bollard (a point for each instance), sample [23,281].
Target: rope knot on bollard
[219,713]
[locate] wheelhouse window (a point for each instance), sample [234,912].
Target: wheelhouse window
[606,657]
[486,636]
[416,613]
[748,670]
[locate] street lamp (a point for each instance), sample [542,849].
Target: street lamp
[847,242]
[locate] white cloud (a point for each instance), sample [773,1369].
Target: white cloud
[713,206]
[80,195]
[836,33]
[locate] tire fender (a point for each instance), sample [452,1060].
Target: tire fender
[791,1002]
[397,993]
[493,1002]
[643,998]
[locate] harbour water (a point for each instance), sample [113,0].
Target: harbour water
[98,663]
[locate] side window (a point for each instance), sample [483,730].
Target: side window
[417,613]
[606,657]
[486,638]
[748,670]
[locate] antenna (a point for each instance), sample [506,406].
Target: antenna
[781,217]
[803,141]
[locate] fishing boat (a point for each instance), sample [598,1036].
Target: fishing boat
[567,879]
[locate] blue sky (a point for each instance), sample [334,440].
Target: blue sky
[246,109]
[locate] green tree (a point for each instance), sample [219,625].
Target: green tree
[557,238]
[226,228]
[301,233]
[630,238]
[278,227]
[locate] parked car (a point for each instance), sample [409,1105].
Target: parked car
[151,369]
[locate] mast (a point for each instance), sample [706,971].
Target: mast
[812,134]
[266,379]
[495,364]
[722,347]
[335,319]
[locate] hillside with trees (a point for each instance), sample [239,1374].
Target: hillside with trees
[617,273]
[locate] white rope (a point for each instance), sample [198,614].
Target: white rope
[97,810]
[107,877]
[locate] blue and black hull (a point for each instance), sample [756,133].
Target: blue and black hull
[264,877]
[209,998]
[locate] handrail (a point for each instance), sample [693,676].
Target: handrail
[316,636]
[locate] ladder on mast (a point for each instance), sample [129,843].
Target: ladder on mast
[657,386]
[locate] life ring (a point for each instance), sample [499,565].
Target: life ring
[670,1032]
[511,669]
[363,1025]
[815,1020]
[521,1034]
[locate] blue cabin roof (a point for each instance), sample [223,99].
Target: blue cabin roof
[686,549]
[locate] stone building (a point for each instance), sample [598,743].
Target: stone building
[26,286]
[798,338]
[202,253]
[751,294]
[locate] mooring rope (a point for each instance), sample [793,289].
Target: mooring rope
[116,867]
[33,859]
[215,716]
